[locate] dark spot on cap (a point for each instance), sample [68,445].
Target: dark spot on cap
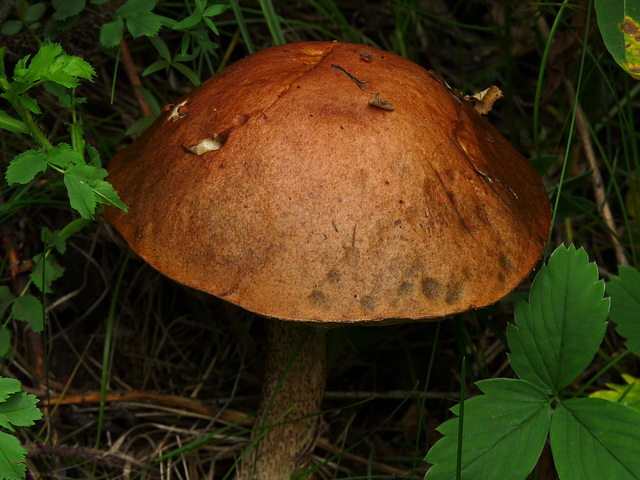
[405,288]
[317,299]
[366,56]
[367,303]
[416,268]
[505,263]
[431,288]
[454,291]
[333,275]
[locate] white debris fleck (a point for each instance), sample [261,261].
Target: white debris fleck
[209,144]
[174,115]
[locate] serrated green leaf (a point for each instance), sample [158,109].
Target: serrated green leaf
[628,395]
[67,8]
[53,239]
[42,60]
[8,386]
[76,67]
[28,308]
[594,439]
[30,103]
[60,92]
[94,156]
[6,299]
[624,291]
[111,33]
[63,156]
[81,196]
[12,458]
[19,410]
[619,21]
[558,332]
[12,124]
[88,173]
[107,195]
[503,433]
[46,270]
[66,70]
[133,7]
[140,19]
[25,166]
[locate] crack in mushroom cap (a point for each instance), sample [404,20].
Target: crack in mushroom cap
[321,207]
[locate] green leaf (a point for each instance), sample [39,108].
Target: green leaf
[63,156]
[66,70]
[111,33]
[42,61]
[28,308]
[214,10]
[628,395]
[154,67]
[161,47]
[187,72]
[594,439]
[624,291]
[503,433]
[25,166]
[67,8]
[94,156]
[61,93]
[619,23]
[107,195]
[11,27]
[12,124]
[559,331]
[46,271]
[211,25]
[12,458]
[8,386]
[53,239]
[19,410]
[6,299]
[191,21]
[139,17]
[30,103]
[35,12]
[81,195]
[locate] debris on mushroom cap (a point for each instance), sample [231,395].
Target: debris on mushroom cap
[178,111]
[483,101]
[321,208]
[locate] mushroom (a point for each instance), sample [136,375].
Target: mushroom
[320,184]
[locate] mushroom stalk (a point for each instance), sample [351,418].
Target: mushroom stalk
[291,398]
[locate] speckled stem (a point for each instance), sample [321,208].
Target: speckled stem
[294,383]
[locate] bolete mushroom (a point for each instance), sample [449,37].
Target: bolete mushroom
[323,183]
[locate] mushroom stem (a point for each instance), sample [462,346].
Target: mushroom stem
[291,396]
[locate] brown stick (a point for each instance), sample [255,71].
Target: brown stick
[132,73]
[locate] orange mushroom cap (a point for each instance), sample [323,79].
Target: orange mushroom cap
[277,186]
